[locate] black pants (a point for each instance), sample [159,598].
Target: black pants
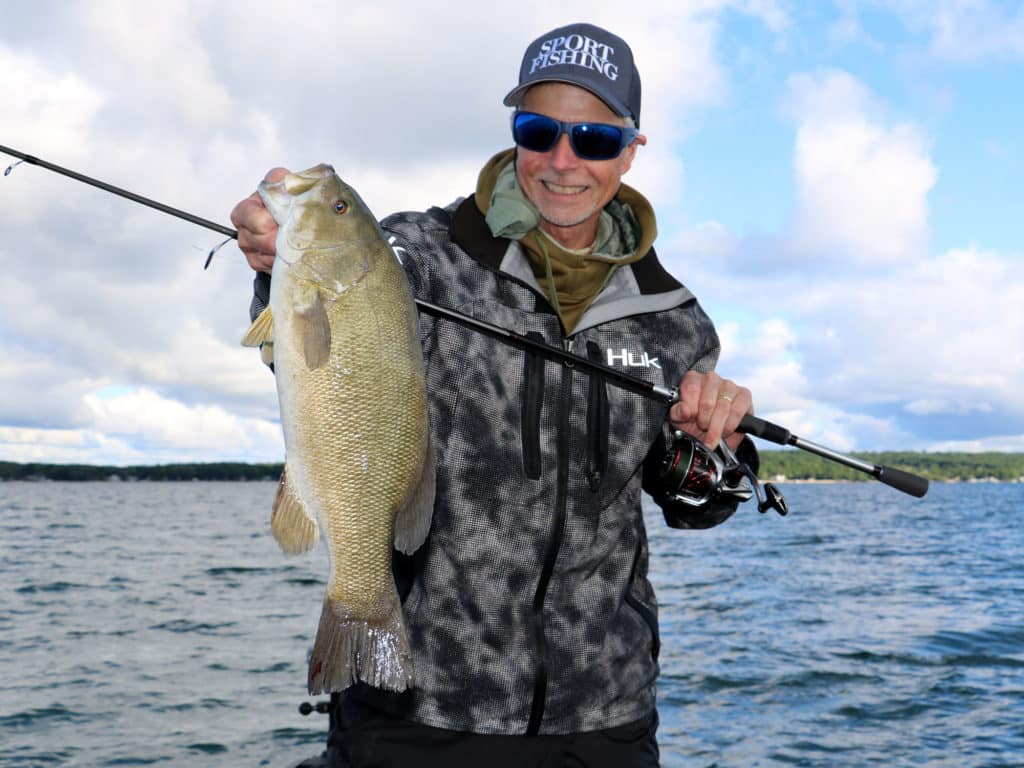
[366,738]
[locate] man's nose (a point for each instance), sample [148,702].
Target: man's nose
[562,155]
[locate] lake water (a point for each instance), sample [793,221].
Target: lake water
[146,623]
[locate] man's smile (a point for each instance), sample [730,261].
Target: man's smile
[560,189]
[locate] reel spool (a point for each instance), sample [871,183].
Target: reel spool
[691,473]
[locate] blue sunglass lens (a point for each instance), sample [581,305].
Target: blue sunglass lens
[536,133]
[596,141]
[590,141]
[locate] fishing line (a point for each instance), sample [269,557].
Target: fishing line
[906,482]
[32,160]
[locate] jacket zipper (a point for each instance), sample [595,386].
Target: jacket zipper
[597,423]
[532,402]
[649,617]
[551,553]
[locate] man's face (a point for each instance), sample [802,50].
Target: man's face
[569,192]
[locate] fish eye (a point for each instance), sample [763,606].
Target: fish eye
[340,206]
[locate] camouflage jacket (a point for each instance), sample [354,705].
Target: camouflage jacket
[529,609]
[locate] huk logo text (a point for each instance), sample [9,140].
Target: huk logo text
[628,359]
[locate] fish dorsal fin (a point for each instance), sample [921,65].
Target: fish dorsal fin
[295,531]
[261,331]
[412,522]
[312,324]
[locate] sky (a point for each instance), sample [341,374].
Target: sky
[839,183]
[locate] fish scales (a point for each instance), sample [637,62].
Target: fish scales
[349,371]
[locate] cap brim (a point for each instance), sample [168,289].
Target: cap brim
[515,96]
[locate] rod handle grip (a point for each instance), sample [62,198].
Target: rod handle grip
[903,481]
[773,433]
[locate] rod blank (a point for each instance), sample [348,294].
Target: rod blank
[750,425]
[31,160]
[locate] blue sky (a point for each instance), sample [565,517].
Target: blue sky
[968,106]
[838,182]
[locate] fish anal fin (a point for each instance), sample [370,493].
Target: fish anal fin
[348,649]
[261,330]
[412,521]
[294,529]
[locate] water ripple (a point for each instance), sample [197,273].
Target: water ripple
[862,630]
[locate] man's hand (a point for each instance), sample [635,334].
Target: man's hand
[710,408]
[257,230]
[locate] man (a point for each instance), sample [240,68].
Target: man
[531,618]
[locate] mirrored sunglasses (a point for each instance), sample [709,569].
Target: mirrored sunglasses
[590,141]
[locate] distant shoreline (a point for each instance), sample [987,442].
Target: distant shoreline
[776,479]
[776,465]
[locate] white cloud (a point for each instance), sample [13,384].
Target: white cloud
[956,30]
[42,106]
[143,427]
[40,100]
[873,333]
[771,13]
[154,56]
[847,358]
[145,418]
[1000,443]
[861,185]
[931,406]
[976,29]
[190,103]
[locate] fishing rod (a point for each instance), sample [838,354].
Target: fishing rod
[31,160]
[906,482]
[749,424]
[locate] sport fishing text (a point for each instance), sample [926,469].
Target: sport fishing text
[578,50]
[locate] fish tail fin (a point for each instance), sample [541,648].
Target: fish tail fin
[348,649]
[295,531]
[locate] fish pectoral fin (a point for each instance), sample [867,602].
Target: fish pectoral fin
[261,331]
[313,325]
[412,521]
[294,529]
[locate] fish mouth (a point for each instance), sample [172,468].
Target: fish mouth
[297,182]
[303,181]
[277,195]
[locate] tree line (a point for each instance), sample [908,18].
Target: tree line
[89,472]
[790,464]
[800,465]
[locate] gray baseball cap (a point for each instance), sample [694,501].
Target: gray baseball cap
[587,56]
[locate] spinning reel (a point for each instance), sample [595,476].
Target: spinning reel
[691,473]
